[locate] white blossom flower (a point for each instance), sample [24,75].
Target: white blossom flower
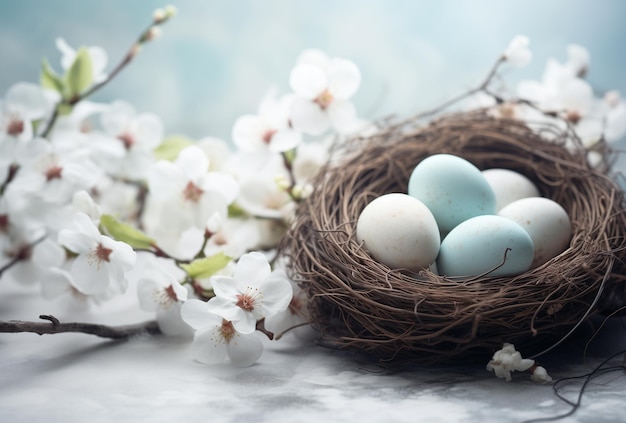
[187,192]
[506,360]
[24,103]
[216,338]
[269,129]
[252,293]
[55,176]
[98,55]
[232,237]
[559,91]
[260,195]
[101,262]
[517,52]
[158,291]
[128,141]
[323,89]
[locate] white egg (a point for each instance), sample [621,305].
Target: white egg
[546,222]
[399,231]
[484,244]
[509,186]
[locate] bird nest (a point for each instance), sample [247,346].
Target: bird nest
[358,303]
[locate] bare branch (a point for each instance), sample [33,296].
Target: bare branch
[103,331]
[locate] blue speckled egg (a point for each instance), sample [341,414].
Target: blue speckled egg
[478,245]
[452,188]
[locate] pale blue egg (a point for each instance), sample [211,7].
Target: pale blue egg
[480,244]
[452,188]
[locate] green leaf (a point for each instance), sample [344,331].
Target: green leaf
[207,266]
[79,76]
[123,232]
[290,155]
[171,146]
[49,78]
[235,210]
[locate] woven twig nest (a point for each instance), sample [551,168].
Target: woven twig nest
[357,302]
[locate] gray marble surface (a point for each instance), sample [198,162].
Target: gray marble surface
[67,378]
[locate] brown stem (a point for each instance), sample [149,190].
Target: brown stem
[103,331]
[289,329]
[260,326]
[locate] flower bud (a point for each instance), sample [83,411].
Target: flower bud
[159,15]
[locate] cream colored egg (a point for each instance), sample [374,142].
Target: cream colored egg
[509,186]
[546,222]
[399,231]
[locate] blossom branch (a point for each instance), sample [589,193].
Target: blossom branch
[147,35]
[103,331]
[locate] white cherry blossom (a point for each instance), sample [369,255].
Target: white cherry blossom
[128,141]
[253,292]
[187,192]
[269,129]
[217,338]
[507,360]
[101,262]
[55,176]
[323,90]
[24,103]
[159,291]
[517,52]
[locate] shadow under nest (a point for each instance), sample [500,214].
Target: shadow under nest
[422,318]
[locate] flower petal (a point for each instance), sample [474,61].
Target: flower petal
[222,183]
[277,293]
[248,133]
[344,78]
[209,346]
[251,269]
[196,314]
[343,117]
[313,56]
[89,276]
[244,350]
[147,293]
[165,179]
[148,130]
[308,81]
[285,140]
[224,286]
[246,324]
[308,117]
[117,119]
[28,100]
[225,308]
[192,162]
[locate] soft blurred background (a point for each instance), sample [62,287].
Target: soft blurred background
[217,59]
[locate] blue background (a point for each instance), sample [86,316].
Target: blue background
[216,59]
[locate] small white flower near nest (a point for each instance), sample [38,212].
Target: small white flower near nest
[507,360]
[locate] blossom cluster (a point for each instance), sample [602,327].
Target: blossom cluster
[96,198]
